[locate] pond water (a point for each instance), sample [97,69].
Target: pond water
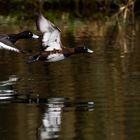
[84,97]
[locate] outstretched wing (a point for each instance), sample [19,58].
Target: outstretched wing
[51,33]
[4,46]
[7,45]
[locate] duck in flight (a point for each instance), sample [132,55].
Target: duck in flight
[7,41]
[51,42]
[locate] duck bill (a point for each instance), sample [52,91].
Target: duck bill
[35,36]
[89,51]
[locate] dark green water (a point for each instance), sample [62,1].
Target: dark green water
[85,97]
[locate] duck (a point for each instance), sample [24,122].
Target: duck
[53,50]
[7,41]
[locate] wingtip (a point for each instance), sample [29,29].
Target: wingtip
[43,24]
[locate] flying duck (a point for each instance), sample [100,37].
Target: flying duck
[51,42]
[7,41]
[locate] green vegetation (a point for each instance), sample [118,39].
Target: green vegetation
[78,8]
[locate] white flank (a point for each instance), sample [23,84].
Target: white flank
[55,57]
[4,46]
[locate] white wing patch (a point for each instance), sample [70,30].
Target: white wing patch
[49,37]
[6,47]
[52,40]
[51,34]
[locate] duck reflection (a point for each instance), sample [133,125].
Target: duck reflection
[52,116]
[51,121]
[7,87]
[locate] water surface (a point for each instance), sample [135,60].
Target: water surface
[83,97]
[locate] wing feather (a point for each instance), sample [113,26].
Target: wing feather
[51,33]
[44,25]
[7,47]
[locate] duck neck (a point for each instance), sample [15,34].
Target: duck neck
[79,50]
[14,37]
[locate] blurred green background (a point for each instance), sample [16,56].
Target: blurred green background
[83,9]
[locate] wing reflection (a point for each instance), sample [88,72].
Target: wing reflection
[51,121]
[6,87]
[52,116]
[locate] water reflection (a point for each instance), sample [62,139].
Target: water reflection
[111,77]
[51,121]
[52,116]
[7,87]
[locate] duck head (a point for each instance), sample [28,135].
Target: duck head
[27,35]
